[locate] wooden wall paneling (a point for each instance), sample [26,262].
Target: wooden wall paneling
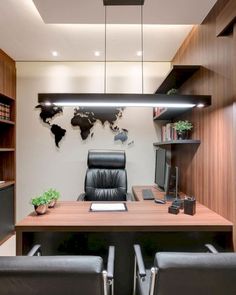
[209,172]
[1,76]
[234,128]
[226,19]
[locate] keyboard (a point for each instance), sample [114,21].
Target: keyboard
[147,194]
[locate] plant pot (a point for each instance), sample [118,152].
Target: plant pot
[181,135]
[52,203]
[41,209]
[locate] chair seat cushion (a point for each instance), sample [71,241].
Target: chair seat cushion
[196,273]
[51,275]
[106,185]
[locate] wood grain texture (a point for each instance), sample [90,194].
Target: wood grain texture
[226,19]
[208,172]
[8,128]
[141,216]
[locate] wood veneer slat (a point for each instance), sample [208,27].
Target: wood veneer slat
[208,173]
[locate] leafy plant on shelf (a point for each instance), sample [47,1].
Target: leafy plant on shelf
[183,128]
[183,125]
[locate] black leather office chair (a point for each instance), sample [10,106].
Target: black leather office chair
[186,273]
[57,275]
[106,178]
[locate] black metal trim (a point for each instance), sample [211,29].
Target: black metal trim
[122,98]
[123,2]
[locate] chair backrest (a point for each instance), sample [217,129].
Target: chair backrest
[106,178]
[195,274]
[49,275]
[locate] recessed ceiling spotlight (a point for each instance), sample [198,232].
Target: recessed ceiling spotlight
[97,53]
[54,53]
[139,53]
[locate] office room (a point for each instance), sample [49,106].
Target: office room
[117,147]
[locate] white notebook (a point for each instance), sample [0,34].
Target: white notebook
[108,207]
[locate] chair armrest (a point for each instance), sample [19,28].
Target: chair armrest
[140,262]
[129,197]
[35,251]
[81,197]
[211,248]
[110,262]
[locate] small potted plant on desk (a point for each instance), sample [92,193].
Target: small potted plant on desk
[52,196]
[183,129]
[40,204]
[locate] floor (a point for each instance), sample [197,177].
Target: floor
[9,247]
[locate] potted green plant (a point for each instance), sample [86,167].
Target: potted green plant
[52,196]
[183,129]
[40,204]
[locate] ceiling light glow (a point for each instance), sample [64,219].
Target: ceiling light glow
[97,53]
[139,53]
[200,105]
[55,53]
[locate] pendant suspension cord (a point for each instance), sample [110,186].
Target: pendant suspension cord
[142,53]
[105,53]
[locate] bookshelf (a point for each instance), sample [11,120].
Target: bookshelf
[7,145]
[173,142]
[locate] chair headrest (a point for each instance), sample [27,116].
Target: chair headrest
[106,159]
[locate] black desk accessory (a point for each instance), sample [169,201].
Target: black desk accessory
[190,205]
[147,194]
[179,203]
[171,183]
[159,201]
[173,209]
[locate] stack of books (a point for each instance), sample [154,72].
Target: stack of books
[4,111]
[168,132]
[158,111]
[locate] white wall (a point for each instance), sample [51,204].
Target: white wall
[40,165]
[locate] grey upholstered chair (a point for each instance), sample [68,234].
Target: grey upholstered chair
[186,274]
[106,177]
[60,275]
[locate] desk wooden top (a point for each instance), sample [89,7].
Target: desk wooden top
[141,216]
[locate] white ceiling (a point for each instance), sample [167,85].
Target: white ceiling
[75,28]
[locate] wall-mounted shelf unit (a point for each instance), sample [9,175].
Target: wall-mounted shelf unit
[6,184]
[174,142]
[6,122]
[7,145]
[176,77]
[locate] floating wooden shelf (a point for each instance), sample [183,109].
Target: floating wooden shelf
[176,77]
[170,113]
[7,150]
[6,184]
[185,141]
[7,122]
[5,98]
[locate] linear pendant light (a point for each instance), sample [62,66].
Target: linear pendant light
[123,100]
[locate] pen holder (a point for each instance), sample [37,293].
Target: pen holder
[190,206]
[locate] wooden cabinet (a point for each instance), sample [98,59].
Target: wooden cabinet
[7,145]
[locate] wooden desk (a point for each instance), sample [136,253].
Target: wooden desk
[142,222]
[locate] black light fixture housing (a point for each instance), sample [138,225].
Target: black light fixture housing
[123,2]
[121,99]
[124,100]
